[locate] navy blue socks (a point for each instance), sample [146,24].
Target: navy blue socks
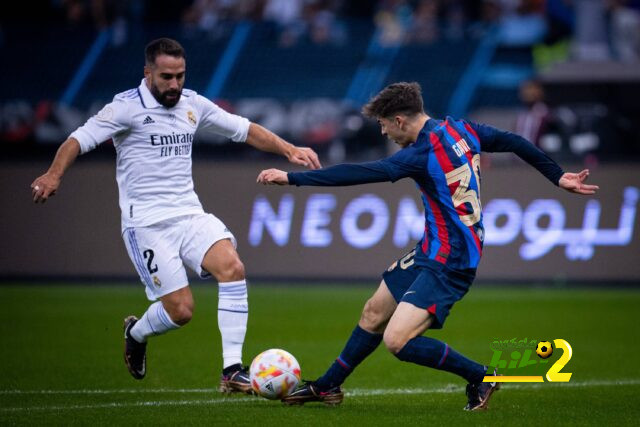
[360,345]
[435,354]
[421,350]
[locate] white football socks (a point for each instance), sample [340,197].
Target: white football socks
[233,312]
[155,321]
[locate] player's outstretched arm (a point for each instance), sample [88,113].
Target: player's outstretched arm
[575,183]
[46,185]
[339,175]
[265,140]
[495,140]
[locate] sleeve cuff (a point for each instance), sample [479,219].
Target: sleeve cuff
[291,176]
[556,179]
[84,139]
[243,130]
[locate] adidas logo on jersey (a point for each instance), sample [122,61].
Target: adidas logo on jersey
[148,120]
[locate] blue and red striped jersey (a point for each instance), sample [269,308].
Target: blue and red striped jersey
[444,162]
[450,190]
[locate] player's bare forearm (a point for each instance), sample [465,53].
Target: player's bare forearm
[47,184]
[65,156]
[265,140]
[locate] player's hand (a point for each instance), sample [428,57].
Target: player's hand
[574,183]
[44,187]
[304,156]
[273,176]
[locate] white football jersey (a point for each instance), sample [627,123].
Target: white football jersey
[153,146]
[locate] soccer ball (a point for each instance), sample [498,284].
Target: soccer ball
[544,349]
[274,373]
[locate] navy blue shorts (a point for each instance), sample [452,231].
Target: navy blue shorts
[434,288]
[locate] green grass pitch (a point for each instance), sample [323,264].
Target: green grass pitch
[62,362]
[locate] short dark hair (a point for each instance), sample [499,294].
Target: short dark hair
[397,98]
[162,46]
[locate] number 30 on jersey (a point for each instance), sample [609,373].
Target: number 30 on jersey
[464,194]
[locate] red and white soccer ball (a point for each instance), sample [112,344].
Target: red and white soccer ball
[274,373]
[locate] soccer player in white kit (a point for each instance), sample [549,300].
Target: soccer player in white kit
[164,226]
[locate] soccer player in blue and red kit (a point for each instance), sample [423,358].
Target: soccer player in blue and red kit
[418,291]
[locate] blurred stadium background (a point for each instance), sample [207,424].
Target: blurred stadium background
[564,74]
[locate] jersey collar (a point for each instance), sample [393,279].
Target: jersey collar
[428,127]
[148,100]
[430,124]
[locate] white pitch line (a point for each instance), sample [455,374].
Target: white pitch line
[451,388]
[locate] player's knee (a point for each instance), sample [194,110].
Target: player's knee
[181,314]
[235,270]
[232,271]
[393,341]
[372,318]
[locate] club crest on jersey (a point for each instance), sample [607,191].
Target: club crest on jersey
[105,114]
[157,281]
[192,118]
[461,147]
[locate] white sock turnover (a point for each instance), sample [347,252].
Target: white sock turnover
[155,321]
[233,312]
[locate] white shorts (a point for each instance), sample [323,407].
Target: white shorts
[160,251]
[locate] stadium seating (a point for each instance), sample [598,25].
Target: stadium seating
[41,60]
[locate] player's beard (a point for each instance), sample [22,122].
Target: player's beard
[166,98]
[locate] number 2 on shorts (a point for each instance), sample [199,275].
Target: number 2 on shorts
[148,255]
